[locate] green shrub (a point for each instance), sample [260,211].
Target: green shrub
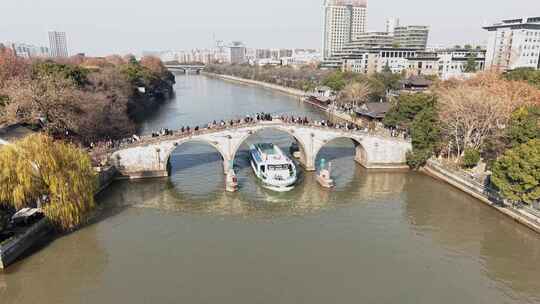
[471,157]
[77,74]
[517,173]
[418,158]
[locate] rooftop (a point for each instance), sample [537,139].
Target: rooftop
[358,3]
[527,22]
[376,110]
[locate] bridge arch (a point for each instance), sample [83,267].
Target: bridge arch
[360,154]
[304,156]
[176,144]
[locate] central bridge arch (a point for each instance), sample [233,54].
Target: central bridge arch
[304,157]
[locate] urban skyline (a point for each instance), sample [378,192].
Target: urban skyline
[300,25]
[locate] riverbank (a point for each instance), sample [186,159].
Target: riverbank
[289,91]
[481,193]
[282,89]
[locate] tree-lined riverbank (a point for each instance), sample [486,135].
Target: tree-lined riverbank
[82,99]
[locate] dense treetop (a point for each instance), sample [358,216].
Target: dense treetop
[83,99]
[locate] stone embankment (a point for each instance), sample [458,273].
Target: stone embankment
[13,248]
[482,193]
[275,87]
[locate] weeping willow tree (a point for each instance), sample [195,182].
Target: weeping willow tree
[57,174]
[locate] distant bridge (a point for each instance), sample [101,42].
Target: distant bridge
[186,68]
[150,156]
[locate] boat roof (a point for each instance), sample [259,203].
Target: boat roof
[270,154]
[267,148]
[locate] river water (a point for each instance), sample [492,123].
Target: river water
[379,237]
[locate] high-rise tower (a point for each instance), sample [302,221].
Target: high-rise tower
[58,44]
[343,21]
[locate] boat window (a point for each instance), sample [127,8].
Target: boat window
[278,167]
[263,169]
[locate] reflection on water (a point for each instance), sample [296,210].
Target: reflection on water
[378,237]
[71,265]
[467,227]
[197,184]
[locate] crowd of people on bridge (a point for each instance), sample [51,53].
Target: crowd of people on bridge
[247,120]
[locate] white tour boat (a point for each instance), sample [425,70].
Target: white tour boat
[276,171]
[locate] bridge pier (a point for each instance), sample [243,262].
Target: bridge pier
[308,165]
[227,166]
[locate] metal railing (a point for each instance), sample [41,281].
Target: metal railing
[485,189]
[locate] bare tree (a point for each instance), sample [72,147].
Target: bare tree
[474,110]
[354,93]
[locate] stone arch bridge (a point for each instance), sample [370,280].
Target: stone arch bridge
[150,156]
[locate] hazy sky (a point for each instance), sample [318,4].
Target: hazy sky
[99,27]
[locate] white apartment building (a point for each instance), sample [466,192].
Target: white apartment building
[343,21]
[445,64]
[58,44]
[391,24]
[28,50]
[514,43]
[236,53]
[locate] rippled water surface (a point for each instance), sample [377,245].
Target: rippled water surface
[379,237]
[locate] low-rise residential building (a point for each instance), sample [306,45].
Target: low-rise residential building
[423,63]
[454,63]
[514,43]
[374,60]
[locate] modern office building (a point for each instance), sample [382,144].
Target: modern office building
[263,54]
[371,40]
[343,21]
[58,44]
[411,36]
[514,43]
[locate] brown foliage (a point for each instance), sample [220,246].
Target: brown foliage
[153,64]
[115,60]
[478,109]
[355,93]
[11,66]
[98,112]
[95,62]
[99,107]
